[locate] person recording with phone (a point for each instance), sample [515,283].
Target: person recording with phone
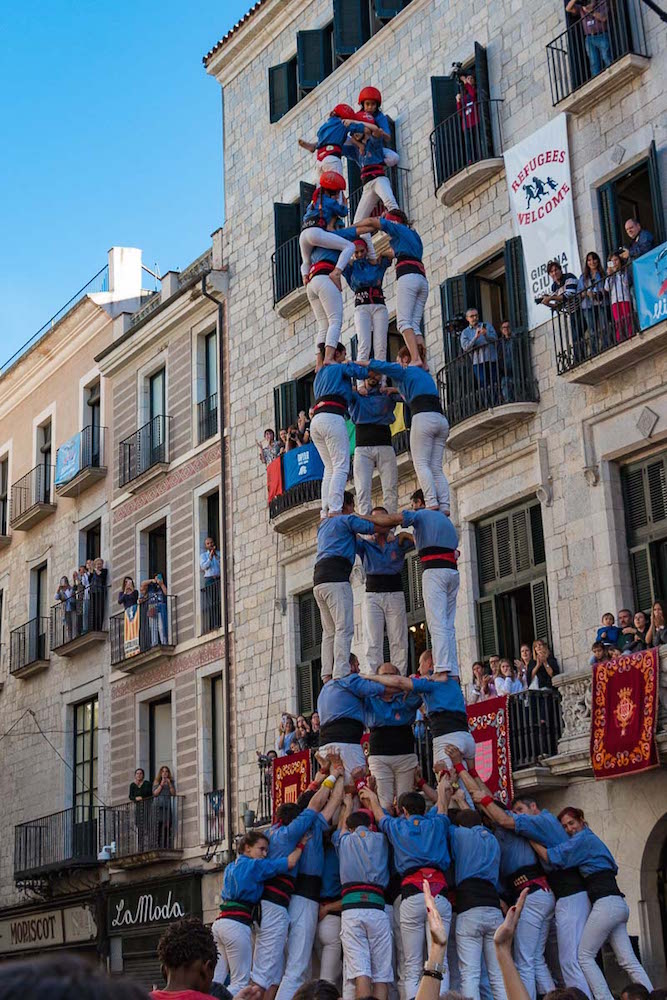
[154,598]
[209,563]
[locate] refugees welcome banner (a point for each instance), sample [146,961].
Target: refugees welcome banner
[540,190]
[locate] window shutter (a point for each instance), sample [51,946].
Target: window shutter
[657,490]
[520,538]
[642,577]
[286,222]
[306,192]
[285,403]
[537,535]
[351,26]
[314,57]
[304,687]
[486,558]
[503,547]
[443,94]
[540,601]
[392,132]
[515,280]
[488,627]
[656,196]
[483,97]
[386,9]
[354,341]
[282,89]
[608,217]
[634,500]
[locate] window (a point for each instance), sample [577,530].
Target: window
[44,462]
[286,259]
[282,89]
[308,679]
[211,356]
[635,194]
[157,550]
[217,734]
[39,612]
[292,397]
[160,749]
[511,563]
[314,56]
[92,541]
[645,504]
[207,385]
[156,395]
[91,417]
[4,494]
[85,757]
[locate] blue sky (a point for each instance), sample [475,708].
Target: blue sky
[111,133]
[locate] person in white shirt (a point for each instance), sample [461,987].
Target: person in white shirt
[507,681]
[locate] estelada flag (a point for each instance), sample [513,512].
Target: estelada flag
[131,631]
[489,727]
[624,714]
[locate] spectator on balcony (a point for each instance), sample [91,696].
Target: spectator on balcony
[634,636]
[292,438]
[563,298]
[154,597]
[282,440]
[608,632]
[67,600]
[128,595]
[79,590]
[599,653]
[209,563]
[364,275]
[301,739]
[140,788]
[617,286]
[508,361]
[508,681]
[141,793]
[593,298]
[286,733]
[481,687]
[85,596]
[594,20]
[269,448]
[522,664]
[303,428]
[98,586]
[480,341]
[542,667]
[641,241]
[468,111]
[657,630]
[494,666]
[164,790]
[314,741]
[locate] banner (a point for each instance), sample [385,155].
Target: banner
[301,465]
[488,724]
[291,777]
[399,420]
[624,714]
[540,191]
[650,280]
[68,459]
[131,631]
[274,479]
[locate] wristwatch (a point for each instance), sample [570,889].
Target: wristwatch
[435,969]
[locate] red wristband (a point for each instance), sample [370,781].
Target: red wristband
[313,786]
[472,772]
[300,846]
[458,768]
[487,800]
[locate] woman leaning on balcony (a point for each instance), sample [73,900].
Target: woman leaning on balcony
[164,790]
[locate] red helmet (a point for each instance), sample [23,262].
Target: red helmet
[370,94]
[343,111]
[365,116]
[361,244]
[330,180]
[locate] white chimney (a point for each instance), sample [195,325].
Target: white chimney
[124,273]
[170,283]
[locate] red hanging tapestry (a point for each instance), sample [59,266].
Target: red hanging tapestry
[489,726]
[291,777]
[624,713]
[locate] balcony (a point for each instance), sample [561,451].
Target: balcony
[207,418]
[464,158]
[214,817]
[577,71]
[145,832]
[211,606]
[591,345]
[145,454]
[32,498]
[80,462]
[535,726]
[79,623]
[58,843]
[29,648]
[297,507]
[481,398]
[143,633]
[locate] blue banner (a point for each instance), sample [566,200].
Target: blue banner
[650,280]
[68,460]
[301,465]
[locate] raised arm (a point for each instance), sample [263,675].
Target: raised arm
[336,796]
[444,793]
[502,940]
[429,986]
[395,681]
[385,520]
[370,800]
[368,226]
[540,850]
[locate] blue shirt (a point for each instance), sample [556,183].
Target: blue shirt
[543,828]
[325,207]
[418,841]
[405,242]
[641,244]
[476,853]
[337,536]
[210,564]
[363,856]
[375,408]
[400,711]
[318,254]
[439,696]
[371,154]
[610,636]
[244,878]
[335,380]
[283,839]
[410,382]
[382,121]
[387,559]
[332,132]
[585,851]
[432,528]
[330,874]
[485,346]
[344,698]
[515,852]
[312,858]
[364,273]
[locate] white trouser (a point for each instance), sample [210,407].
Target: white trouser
[234,943]
[455,972]
[366,937]
[394,774]
[474,936]
[439,590]
[326,301]
[382,457]
[351,754]
[530,941]
[328,433]
[371,323]
[417,939]
[411,296]
[380,610]
[392,992]
[399,961]
[571,916]
[329,164]
[314,236]
[269,957]
[462,741]
[337,613]
[329,948]
[428,436]
[608,921]
[303,915]
[375,191]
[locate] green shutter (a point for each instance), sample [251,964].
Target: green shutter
[285,403]
[487,626]
[657,489]
[634,499]
[486,559]
[310,626]
[483,96]
[642,577]
[286,222]
[503,547]
[314,56]
[306,192]
[656,196]
[386,9]
[282,89]
[352,27]
[537,534]
[608,218]
[515,282]
[444,90]
[304,687]
[509,547]
[520,539]
[540,601]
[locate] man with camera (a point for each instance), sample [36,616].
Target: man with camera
[480,340]
[641,241]
[210,564]
[563,298]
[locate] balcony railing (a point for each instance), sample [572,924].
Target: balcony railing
[146,448]
[457,143]
[211,607]
[295,496]
[76,617]
[535,726]
[214,817]
[398,177]
[64,840]
[31,491]
[472,383]
[153,626]
[207,418]
[574,57]
[28,645]
[152,826]
[286,267]
[89,455]
[264,810]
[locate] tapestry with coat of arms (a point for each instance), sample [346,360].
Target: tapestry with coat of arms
[624,714]
[489,727]
[291,777]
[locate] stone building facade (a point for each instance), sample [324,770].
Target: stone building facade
[546,478]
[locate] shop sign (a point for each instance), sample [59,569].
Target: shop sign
[47,929]
[146,905]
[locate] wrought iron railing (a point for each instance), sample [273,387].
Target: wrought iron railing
[286,268]
[147,447]
[295,496]
[401,442]
[487,377]
[150,624]
[31,490]
[152,825]
[29,643]
[264,811]
[92,440]
[467,137]
[575,57]
[214,817]
[207,418]
[535,726]
[77,616]
[211,607]
[398,177]
[59,841]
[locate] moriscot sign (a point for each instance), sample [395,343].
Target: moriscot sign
[47,929]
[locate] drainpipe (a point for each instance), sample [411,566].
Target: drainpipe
[225,575]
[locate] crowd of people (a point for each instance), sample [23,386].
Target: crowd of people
[288,439]
[150,603]
[633,633]
[80,604]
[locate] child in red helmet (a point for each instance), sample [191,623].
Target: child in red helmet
[331,135]
[370,100]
